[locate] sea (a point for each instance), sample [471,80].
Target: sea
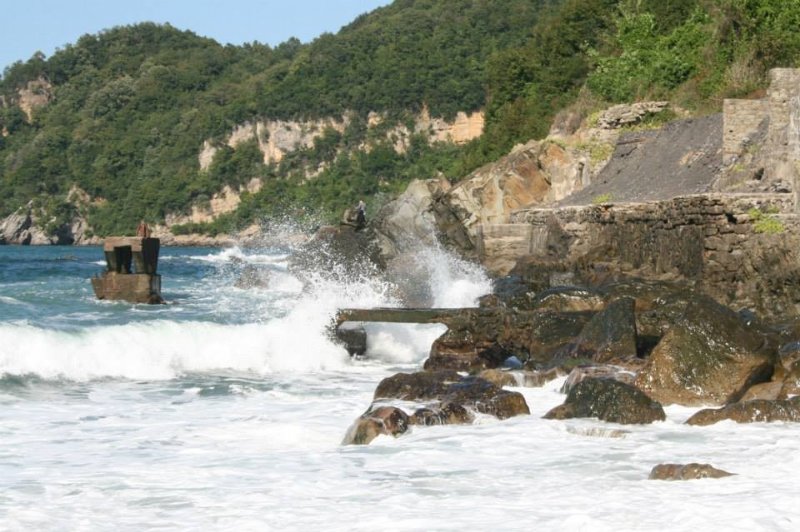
[225,409]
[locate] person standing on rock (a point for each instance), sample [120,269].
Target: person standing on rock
[361,214]
[143,230]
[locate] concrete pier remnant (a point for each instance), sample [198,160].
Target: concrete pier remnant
[131,266]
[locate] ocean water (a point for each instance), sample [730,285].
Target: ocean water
[225,410]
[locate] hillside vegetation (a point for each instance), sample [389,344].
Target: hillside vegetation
[131,106]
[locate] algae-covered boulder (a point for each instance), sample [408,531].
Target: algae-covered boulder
[708,357]
[608,400]
[759,410]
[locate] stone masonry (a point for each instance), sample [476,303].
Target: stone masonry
[710,241]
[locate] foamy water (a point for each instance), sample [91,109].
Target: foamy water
[225,411]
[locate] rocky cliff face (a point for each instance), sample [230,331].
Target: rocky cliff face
[276,138]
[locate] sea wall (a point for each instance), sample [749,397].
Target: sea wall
[714,242]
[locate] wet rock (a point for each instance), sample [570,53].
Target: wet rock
[513,291]
[609,335]
[354,338]
[447,387]
[445,414]
[750,412]
[550,333]
[568,299]
[608,400]
[486,398]
[709,356]
[338,252]
[386,420]
[419,386]
[498,378]
[581,373]
[686,472]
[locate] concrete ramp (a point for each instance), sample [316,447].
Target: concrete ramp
[682,158]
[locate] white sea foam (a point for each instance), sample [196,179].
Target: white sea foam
[206,426]
[163,350]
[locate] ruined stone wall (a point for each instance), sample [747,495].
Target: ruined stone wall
[741,121]
[708,240]
[783,141]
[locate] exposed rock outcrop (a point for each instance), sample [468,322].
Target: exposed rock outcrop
[708,357]
[608,400]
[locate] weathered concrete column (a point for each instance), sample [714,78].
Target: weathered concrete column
[783,141]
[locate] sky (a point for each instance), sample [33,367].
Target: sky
[27,26]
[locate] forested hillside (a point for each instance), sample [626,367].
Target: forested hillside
[128,109]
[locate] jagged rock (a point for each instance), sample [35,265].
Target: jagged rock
[628,114]
[15,228]
[408,222]
[374,422]
[608,400]
[750,412]
[581,373]
[709,356]
[686,472]
[469,392]
[610,334]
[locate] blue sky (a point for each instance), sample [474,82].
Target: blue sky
[30,25]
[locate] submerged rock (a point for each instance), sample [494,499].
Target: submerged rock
[709,356]
[608,400]
[686,472]
[381,420]
[755,411]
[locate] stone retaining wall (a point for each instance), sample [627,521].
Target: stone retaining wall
[709,240]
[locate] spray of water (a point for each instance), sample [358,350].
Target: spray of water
[283,327]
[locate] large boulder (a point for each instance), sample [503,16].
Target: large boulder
[755,411]
[608,400]
[407,223]
[378,420]
[686,472]
[610,335]
[708,357]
